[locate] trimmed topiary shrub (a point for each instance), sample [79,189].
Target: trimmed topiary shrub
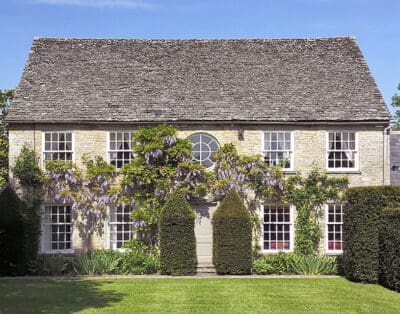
[361,224]
[177,239]
[390,249]
[232,236]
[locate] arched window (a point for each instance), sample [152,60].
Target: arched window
[204,148]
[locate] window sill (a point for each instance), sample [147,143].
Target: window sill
[336,171]
[333,253]
[291,171]
[276,251]
[71,251]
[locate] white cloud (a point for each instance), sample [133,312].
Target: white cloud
[129,4]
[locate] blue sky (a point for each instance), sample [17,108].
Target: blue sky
[375,23]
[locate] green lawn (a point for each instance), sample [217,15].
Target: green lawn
[197,295]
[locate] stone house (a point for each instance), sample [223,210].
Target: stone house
[299,100]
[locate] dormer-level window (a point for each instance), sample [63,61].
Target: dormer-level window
[120,148]
[342,151]
[57,146]
[278,149]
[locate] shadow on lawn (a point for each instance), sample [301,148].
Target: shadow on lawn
[55,296]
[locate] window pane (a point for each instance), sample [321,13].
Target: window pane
[276,227]
[121,145]
[334,227]
[341,153]
[59,228]
[57,143]
[277,147]
[120,226]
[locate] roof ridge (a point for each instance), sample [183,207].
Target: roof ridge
[351,37]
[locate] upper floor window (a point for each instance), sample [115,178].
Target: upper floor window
[204,148]
[120,148]
[277,231]
[57,146]
[57,229]
[334,228]
[342,150]
[278,149]
[120,226]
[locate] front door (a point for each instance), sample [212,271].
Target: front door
[203,232]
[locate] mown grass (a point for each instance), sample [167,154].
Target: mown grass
[197,295]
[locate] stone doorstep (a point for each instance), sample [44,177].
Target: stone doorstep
[205,268]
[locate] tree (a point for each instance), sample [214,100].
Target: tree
[309,194]
[396,104]
[6,96]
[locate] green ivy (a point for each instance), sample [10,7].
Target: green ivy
[309,194]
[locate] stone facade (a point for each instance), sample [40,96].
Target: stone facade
[310,145]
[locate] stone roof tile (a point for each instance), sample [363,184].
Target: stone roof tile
[249,80]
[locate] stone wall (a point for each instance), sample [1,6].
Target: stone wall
[309,146]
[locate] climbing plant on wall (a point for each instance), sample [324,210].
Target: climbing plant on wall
[309,194]
[162,165]
[250,176]
[89,189]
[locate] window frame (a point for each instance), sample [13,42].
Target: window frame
[213,138]
[356,152]
[43,160]
[44,237]
[291,229]
[291,132]
[109,224]
[327,250]
[108,143]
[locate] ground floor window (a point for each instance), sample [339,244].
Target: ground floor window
[57,229]
[334,227]
[120,226]
[277,228]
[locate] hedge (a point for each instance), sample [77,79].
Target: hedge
[232,236]
[19,234]
[390,249]
[177,238]
[361,224]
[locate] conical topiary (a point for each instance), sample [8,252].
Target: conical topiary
[232,236]
[177,238]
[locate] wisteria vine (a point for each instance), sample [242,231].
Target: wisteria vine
[90,191]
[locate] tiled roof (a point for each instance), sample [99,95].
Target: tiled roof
[248,80]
